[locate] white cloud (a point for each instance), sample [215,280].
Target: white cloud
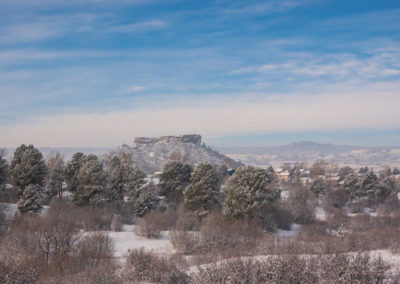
[212,118]
[141,26]
[137,89]
[378,64]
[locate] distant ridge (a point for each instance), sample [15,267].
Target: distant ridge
[308,152]
[292,148]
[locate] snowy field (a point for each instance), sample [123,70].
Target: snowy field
[127,239]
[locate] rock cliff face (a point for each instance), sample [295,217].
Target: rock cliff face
[150,154]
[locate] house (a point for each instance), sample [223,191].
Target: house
[333,180]
[306,180]
[283,176]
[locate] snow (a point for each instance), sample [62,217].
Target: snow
[320,213]
[285,195]
[10,209]
[289,233]
[127,239]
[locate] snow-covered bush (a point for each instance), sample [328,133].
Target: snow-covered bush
[144,266]
[337,268]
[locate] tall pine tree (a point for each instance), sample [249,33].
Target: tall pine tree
[173,180]
[72,170]
[3,170]
[91,183]
[27,167]
[30,201]
[202,194]
[248,192]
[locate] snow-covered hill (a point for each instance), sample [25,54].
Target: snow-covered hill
[151,154]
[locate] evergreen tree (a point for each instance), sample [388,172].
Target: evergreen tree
[173,180]
[123,180]
[72,171]
[27,167]
[202,194]
[318,187]
[386,189]
[147,200]
[30,201]
[248,192]
[3,170]
[344,172]
[56,168]
[91,183]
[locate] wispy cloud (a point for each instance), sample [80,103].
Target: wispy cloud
[135,89]
[135,27]
[266,7]
[378,64]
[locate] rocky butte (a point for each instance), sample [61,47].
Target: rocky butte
[150,154]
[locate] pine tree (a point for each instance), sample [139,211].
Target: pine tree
[27,167]
[248,191]
[30,201]
[56,168]
[202,194]
[123,180]
[147,200]
[91,183]
[386,189]
[318,187]
[72,171]
[3,170]
[173,180]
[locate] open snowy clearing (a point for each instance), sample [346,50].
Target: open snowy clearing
[11,209]
[127,240]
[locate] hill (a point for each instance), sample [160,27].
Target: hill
[308,152]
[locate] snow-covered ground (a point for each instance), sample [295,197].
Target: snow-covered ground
[11,209]
[295,228]
[127,239]
[320,213]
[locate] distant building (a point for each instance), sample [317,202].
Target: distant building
[306,180]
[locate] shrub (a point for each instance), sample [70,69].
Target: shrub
[217,230]
[302,203]
[339,268]
[184,242]
[150,226]
[143,266]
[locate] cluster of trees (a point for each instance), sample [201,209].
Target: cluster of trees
[91,181]
[94,182]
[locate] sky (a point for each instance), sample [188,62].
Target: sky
[97,73]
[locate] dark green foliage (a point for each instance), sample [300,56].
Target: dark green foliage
[3,169]
[72,171]
[91,183]
[344,172]
[318,187]
[146,201]
[369,188]
[30,201]
[123,180]
[27,167]
[173,180]
[202,194]
[248,191]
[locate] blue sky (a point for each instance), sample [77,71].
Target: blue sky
[99,73]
